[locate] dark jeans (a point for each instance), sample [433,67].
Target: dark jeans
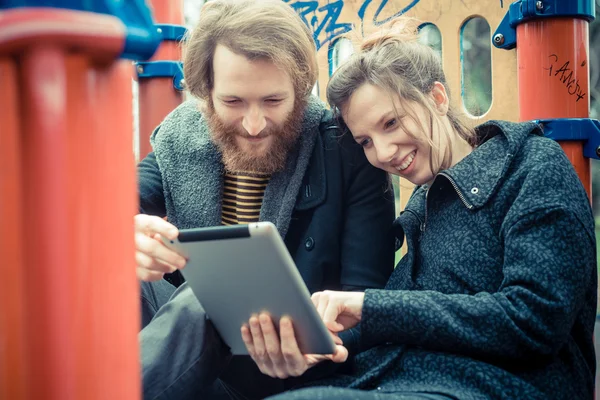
[184,358]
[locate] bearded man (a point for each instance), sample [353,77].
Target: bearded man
[253,145]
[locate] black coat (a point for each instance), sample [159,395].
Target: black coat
[339,234]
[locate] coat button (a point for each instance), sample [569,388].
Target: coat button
[309,243]
[475,190]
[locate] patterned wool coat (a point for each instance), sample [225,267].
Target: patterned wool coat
[496,297]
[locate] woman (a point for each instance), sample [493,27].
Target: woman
[496,297]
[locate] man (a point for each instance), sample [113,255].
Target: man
[255,146]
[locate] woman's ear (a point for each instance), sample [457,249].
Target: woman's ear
[440,98]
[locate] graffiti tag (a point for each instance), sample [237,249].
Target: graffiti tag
[565,75]
[327,25]
[323,21]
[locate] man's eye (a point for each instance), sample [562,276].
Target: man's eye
[390,123]
[231,102]
[274,101]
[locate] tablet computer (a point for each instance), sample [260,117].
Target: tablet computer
[239,270]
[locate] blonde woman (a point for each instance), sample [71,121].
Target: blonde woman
[496,297]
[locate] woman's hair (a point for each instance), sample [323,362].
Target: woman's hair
[396,62]
[256,29]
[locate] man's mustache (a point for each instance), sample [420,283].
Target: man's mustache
[260,136]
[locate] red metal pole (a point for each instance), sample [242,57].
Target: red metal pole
[157,96]
[553,65]
[12,356]
[79,298]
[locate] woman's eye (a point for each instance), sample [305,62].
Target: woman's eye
[365,142]
[231,102]
[390,123]
[273,101]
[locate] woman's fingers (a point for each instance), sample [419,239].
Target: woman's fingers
[247,338]
[330,316]
[322,303]
[340,355]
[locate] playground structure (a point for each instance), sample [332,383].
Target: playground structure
[70,320]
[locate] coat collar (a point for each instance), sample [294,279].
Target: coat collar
[192,170]
[477,177]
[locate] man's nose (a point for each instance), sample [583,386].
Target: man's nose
[254,121]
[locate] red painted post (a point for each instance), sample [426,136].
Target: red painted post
[72,208]
[553,65]
[12,244]
[157,96]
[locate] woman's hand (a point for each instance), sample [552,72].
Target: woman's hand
[278,355]
[153,258]
[339,310]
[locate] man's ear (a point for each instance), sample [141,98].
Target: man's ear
[440,98]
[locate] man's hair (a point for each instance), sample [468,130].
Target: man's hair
[258,30]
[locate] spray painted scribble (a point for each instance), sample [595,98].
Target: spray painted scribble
[324,23]
[382,4]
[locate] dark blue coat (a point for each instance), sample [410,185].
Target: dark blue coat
[496,297]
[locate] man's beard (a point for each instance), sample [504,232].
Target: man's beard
[266,161]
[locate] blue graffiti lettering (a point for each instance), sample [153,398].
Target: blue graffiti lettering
[376,22]
[328,24]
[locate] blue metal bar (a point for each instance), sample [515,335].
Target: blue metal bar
[171,32]
[520,11]
[142,38]
[163,69]
[578,129]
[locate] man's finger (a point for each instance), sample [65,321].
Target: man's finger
[147,275]
[150,224]
[155,249]
[144,261]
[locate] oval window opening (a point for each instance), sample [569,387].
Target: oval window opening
[430,35]
[476,66]
[338,53]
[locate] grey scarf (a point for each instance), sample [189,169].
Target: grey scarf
[192,171]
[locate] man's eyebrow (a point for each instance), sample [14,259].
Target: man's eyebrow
[277,94]
[271,95]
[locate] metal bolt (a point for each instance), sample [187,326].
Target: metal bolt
[158,30]
[539,5]
[499,39]
[598,151]
[140,69]
[182,83]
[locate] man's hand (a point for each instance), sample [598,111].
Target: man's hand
[278,355]
[339,310]
[153,258]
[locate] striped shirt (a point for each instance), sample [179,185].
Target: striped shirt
[242,197]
